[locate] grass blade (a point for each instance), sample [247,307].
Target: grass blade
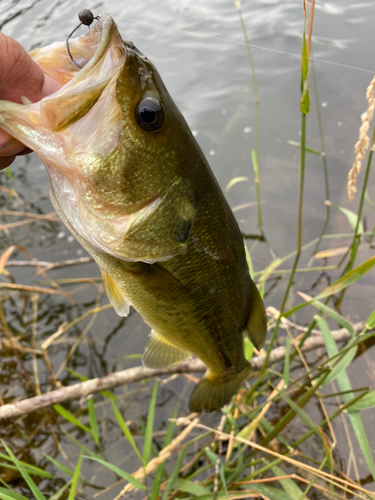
[286,362]
[351,216]
[125,430]
[308,150]
[348,279]
[357,424]
[33,487]
[171,425]
[288,485]
[235,181]
[157,482]
[345,386]
[212,456]
[368,200]
[341,365]
[149,426]
[189,487]
[59,465]
[92,419]
[119,472]
[332,348]
[81,446]
[323,308]
[10,495]
[254,159]
[365,403]
[61,491]
[31,469]
[71,418]
[233,496]
[7,496]
[305,97]
[249,262]
[174,474]
[160,471]
[9,173]
[370,323]
[248,349]
[270,492]
[301,413]
[73,488]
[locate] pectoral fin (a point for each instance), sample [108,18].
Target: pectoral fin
[256,327]
[163,232]
[159,353]
[115,295]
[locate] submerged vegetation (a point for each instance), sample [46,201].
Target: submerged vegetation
[278,439]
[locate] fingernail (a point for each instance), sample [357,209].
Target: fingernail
[6,144]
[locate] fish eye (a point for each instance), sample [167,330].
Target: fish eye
[149,114]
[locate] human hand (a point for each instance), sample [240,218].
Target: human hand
[19,76]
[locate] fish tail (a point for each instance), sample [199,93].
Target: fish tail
[212,393]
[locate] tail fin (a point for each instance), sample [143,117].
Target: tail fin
[256,327]
[211,394]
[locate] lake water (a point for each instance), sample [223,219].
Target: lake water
[199,50]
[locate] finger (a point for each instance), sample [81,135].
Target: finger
[11,147]
[6,161]
[50,86]
[19,74]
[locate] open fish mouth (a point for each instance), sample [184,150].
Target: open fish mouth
[101,54]
[86,50]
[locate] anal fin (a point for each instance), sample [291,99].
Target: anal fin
[159,353]
[256,327]
[115,295]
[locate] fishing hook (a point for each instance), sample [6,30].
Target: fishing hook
[86,17]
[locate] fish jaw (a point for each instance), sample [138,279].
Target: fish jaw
[52,127]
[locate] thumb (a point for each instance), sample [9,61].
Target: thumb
[19,76]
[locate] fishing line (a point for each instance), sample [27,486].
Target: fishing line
[228,40]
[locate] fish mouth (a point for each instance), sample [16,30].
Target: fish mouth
[99,53]
[52,126]
[98,38]
[87,51]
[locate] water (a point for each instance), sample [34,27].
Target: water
[199,51]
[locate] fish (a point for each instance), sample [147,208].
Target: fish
[131,183]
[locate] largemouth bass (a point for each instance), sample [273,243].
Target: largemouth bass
[132,185]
